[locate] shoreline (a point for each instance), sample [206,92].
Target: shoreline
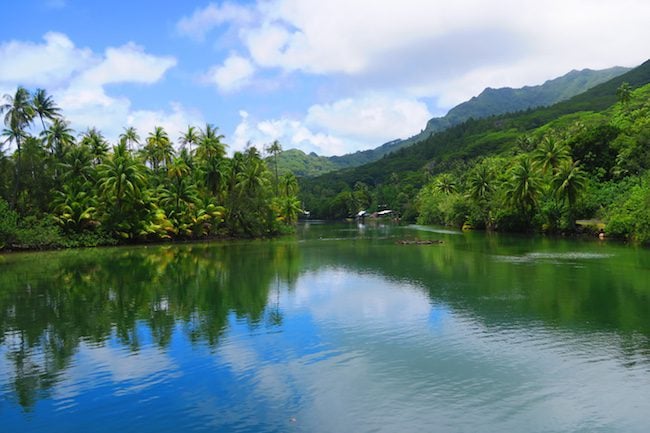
[158,242]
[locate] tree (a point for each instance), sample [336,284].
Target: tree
[480,183]
[550,153]
[44,106]
[210,144]
[190,136]
[159,150]
[524,187]
[624,94]
[274,149]
[19,113]
[568,182]
[130,136]
[445,183]
[121,178]
[95,142]
[58,137]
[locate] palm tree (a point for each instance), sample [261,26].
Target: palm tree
[214,173]
[445,183]
[525,143]
[177,197]
[44,106]
[17,109]
[130,136]
[569,181]
[74,208]
[275,148]
[524,187]
[210,144]
[288,208]
[550,153]
[289,185]
[190,137]
[480,183]
[159,149]
[95,142]
[77,166]
[19,113]
[58,137]
[121,177]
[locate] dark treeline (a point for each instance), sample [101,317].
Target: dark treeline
[58,188]
[541,169]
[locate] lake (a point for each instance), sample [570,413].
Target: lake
[336,329]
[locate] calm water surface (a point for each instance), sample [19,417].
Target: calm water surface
[336,330]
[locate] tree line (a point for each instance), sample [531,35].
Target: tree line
[59,188]
[512,173]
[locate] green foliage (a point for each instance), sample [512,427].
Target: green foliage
[8,225]
[629,217]
[67,192]
[491,102]
[535,170]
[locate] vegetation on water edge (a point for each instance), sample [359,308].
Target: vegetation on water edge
[62,190]
[537,170]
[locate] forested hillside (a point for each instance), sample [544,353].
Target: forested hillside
[582,158]
[489,103]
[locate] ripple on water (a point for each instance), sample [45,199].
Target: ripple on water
[553,258]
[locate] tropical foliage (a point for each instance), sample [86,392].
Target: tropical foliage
[545,169]
[62,189]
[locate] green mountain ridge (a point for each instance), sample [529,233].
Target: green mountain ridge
[490,102]
[395,179]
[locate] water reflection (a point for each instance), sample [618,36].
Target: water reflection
[353,334]
[94,296]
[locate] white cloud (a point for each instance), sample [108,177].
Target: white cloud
[371,119]
[203,20]
[235,73]
[446,50]
[175,120]
[41,64]
[77,78]
[290,132]
[128,63]
[341,127]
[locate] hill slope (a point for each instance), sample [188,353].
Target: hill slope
[489,103]
[464,142]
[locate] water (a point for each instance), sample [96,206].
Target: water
[336,330]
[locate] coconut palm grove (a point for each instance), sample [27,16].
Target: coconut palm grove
[63,188]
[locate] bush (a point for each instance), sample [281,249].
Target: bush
[629,217]
[8,225]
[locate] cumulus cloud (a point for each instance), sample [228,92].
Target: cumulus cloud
[39,64]
[370,119]
[128,63]
[235,73]
[203,20]
[341,127]
[77,78]
[445,50]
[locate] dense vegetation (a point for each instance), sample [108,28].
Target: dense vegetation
[584,158]
[60,190]
[490,102]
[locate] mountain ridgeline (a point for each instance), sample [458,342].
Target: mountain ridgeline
[489,103]
[599,139]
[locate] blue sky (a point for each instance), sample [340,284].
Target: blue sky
[330,77]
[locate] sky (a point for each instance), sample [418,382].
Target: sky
[329,77]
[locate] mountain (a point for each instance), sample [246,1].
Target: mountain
[490,102]
[467,141]
[303,164]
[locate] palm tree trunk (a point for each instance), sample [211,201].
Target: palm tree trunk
[16,177]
